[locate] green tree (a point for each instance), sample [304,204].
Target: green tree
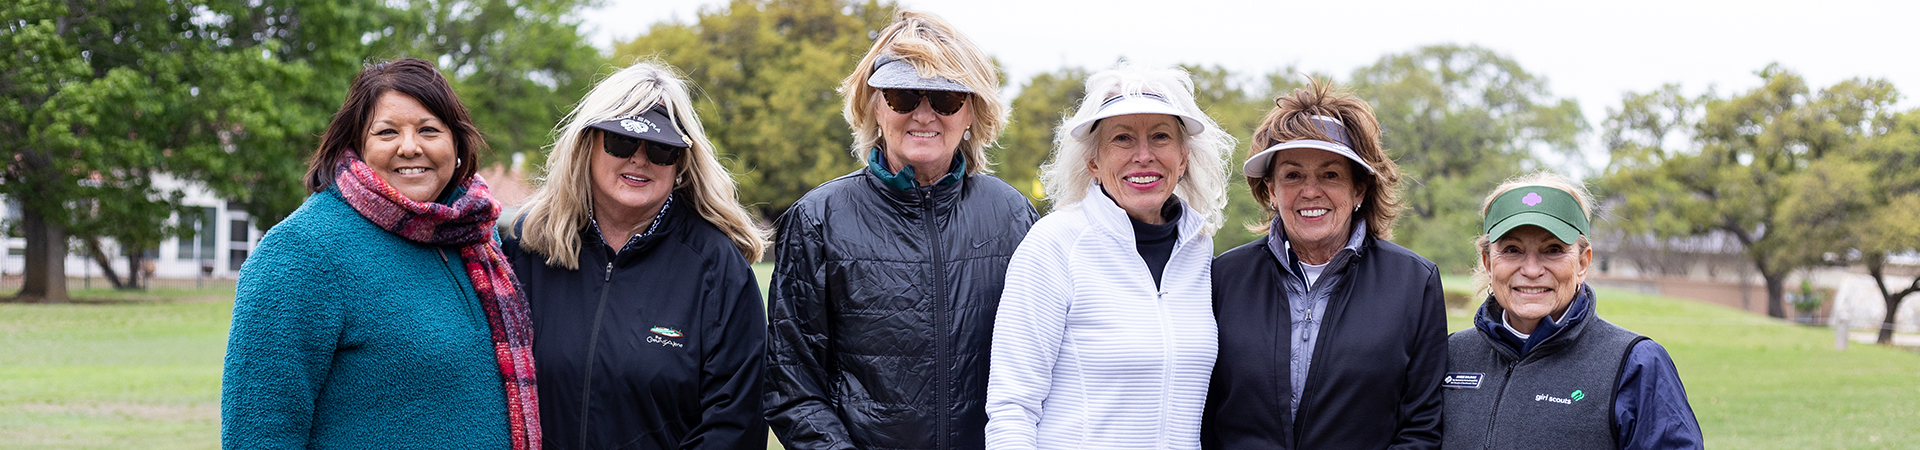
[1745,157]
[1043,104]
[1858,205]
[103,97]
[769,70]
[1458,121]
[518,65]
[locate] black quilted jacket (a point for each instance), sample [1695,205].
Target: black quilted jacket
[881,312]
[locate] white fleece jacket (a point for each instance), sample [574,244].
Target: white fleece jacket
[1087,353]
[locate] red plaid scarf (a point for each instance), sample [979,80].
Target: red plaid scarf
[467,223]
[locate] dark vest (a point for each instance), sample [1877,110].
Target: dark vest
[1559,396]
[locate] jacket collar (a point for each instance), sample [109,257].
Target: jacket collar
[1546,338]
[904,180]
[1283,249]
[665,223]
[1106,215]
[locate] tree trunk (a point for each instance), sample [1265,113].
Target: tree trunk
[46,271]
[1876,266]
[105,262]
[1776,293]
[135,271]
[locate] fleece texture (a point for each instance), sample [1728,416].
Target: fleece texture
[347,336]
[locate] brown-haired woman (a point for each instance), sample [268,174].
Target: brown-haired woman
[1364,349]
[381,313]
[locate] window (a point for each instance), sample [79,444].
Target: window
[202,225]
[239,229]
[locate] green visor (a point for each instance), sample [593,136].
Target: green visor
[1551,209]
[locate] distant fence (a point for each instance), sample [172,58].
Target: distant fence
[1753,299]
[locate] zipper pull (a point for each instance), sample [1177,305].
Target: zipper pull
[609,278]
[443,254]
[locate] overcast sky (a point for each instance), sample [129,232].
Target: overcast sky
[1590,51]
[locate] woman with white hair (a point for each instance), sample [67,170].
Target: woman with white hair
[648,327]
[1105,335]
[884,293]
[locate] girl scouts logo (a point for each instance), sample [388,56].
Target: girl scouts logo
[668,332]
[1577,395]
[1532,199]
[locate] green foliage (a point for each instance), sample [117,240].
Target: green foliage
[1458,121]
[518,65]
[1748,157]
[1042,106]
[769,70]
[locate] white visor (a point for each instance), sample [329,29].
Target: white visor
[1261,164]
[1137,103]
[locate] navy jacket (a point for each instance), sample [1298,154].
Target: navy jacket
[1377,365]
[656,347]
[1650,409]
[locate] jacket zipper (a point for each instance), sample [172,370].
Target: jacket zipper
[1167,343]
[940,334]
[593,341]
[1494,418]
[454,278]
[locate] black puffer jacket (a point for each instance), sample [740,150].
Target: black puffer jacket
[657,346]
[882,308]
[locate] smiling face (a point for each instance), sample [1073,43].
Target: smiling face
[409,147]
[922,138]
[1534,274]
[1139,160]
[633,187]
[1315,193]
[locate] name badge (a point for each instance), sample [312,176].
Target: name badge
[1462,380]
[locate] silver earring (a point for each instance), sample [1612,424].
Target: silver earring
[676,181]
[457,162]
[1356,208]
[968,135]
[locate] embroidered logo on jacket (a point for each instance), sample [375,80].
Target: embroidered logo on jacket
[661,336]
[1577,395]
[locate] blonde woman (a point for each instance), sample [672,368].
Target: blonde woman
[648,327]
[1540,368]
[1106,335]
[888,278]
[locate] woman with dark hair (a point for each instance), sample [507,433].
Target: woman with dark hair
[1338,334]
[381,313]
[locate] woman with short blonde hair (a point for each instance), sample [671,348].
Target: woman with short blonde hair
[1540,368]
[883,297]
[634,256]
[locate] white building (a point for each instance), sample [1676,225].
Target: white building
[224,235]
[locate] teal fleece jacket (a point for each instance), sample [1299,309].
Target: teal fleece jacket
[347,336]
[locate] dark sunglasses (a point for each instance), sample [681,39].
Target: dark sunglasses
[624,147]
[904,101]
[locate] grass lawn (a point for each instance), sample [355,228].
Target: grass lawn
[143,371]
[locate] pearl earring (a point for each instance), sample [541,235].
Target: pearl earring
[968,135]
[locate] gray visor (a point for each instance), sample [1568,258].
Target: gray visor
[891,72]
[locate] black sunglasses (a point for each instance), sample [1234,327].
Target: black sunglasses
[624,147]
[904,101]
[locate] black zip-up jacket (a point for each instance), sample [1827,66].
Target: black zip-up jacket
[656,347]
[882,308]
[1377,364]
